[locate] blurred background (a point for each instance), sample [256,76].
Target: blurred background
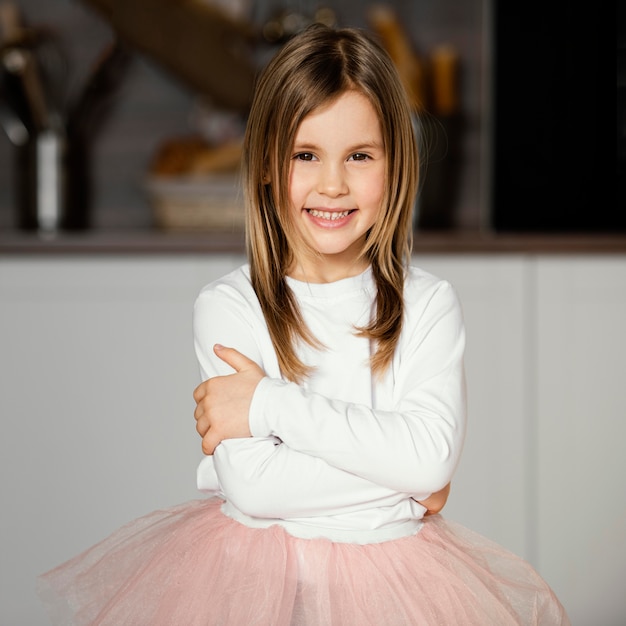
[144,103]
[149,90]
[119,157]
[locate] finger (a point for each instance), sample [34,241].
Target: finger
[233,358]
[198,412]
[209,443]
[199,392]
[202,427]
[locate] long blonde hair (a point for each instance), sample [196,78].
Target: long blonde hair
[312,69]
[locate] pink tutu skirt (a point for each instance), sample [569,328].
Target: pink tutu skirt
[193,566]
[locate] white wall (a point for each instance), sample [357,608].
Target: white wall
[581,434]
[96,374]
[97,370]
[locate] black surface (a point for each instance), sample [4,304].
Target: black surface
[554,71]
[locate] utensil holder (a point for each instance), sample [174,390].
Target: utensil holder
[53,190]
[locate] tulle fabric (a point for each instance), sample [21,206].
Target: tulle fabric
[193,566]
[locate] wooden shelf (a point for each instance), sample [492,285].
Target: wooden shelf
[160,243]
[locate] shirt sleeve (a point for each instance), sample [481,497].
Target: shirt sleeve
[413,448]
[206,477]
[222,315]
[265,478]
[261,475]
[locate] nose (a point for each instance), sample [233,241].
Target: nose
[332,180]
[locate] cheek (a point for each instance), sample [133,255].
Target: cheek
[374,190]
[296,188]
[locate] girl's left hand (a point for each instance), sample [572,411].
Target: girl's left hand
[436,501]
[223,402]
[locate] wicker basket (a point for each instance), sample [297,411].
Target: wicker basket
[185,203]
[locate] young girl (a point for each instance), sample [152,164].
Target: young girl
[332,411]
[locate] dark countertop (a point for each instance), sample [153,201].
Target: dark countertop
[159,243]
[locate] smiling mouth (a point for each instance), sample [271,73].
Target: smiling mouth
[329,215]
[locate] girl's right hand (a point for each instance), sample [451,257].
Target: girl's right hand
[223,402]
[436,501]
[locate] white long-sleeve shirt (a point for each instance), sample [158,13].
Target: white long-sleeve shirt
[344,455]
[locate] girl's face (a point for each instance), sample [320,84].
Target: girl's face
[336,186]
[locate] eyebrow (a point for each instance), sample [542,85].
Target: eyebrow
[366,145]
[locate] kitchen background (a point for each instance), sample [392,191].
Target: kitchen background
[501,103]
[96,359]
[147,105]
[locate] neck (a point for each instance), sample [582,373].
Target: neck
[325,270]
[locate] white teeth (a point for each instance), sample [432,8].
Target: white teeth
[329,215]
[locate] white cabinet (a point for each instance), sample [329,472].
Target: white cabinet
[580,416]
[96,375]
[97,370]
